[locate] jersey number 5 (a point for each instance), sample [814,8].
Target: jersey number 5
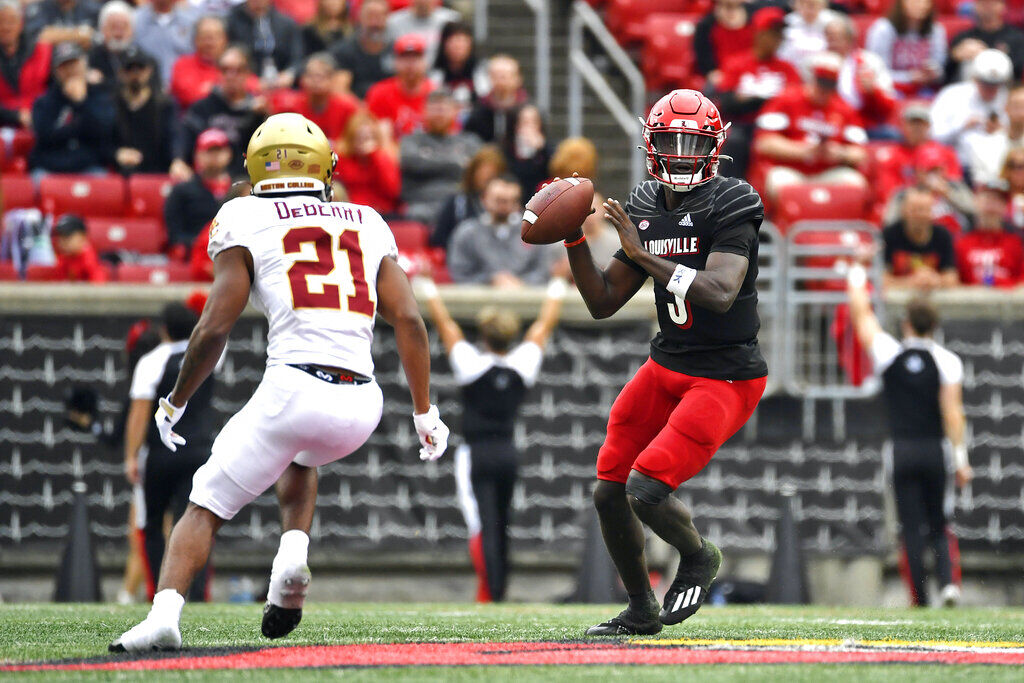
[679,312]
[330,297]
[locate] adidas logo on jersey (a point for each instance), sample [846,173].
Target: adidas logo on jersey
[686,221]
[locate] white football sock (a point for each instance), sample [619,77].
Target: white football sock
[293,550]
[167,606]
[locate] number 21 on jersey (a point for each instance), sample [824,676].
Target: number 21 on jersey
[326,248]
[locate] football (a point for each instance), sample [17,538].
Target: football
[557,211]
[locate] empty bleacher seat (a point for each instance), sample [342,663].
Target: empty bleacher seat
[18,191]
[667,59]
[627,19]
[410,235]
[41,273]
[147,193]
[84,195]
[154,274]
[143,235]
[7,271]
[821,202]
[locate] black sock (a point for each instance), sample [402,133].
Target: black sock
[693,555]
[643,602]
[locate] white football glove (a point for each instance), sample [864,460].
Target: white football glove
[167,415]
[433,434]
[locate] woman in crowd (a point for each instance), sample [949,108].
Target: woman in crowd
[487,163]
[530,152]
[912,44]
[1013,174]
[457,67]
[368,164]
[574,155]
[494,380]
[329,25]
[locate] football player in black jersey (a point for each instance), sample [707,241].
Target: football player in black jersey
[696,235]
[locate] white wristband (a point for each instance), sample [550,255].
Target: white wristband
[857,277]
[960,456]
[681,280]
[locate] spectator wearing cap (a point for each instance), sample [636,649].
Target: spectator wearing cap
[895,164]
[364,58]
[953,200]
[722,32]
[989,31]
[432,160]
[805,33]
[73,121]
[749,79]
[229,107]
[400,100]
[76,257]
[24,67]
[493,119]
[963,111]
[316,100]
[911,44]
[194,75]
[116,34]
[272,38]
[164,29]
[987,151]
[62,21]
[192,204]
[146,118]
[809,134]
[991,254]
[864,81]
[368,164]
[425,18]
[918,253]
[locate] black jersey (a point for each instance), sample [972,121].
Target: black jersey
[724,215]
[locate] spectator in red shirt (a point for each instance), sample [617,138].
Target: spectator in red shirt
[316,100]
[368,164]
[748,80]
[918,253]
[195,75]
[809,134]
[76,257]
[28,61]
[402,98]
[954,201]
[864,81]
[722,32]
[991,254]
[895,166]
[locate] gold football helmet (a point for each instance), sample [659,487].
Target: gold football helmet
[289,153]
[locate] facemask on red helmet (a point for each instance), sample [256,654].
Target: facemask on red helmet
[683,138]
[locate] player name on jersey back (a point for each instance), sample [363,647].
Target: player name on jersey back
[315,267]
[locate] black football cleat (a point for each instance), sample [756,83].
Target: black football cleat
[279,621]
[628,623]
[690,588]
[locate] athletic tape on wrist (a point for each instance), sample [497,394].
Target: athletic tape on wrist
[960,456]
[682,278]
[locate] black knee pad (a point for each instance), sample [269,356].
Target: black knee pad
[646,489]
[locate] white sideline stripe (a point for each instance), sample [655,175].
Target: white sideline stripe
[530,217]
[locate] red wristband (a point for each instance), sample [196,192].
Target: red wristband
[576,242]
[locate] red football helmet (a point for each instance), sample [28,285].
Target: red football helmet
[684,137]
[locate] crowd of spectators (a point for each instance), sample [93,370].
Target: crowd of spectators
[427,131]
[880,99]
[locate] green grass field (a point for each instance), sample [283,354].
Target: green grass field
[34,632]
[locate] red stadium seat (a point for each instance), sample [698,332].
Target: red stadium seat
[21,143]
[18,190]
[143,235]
[42,274]
[83,195]
[955,25]
[627,19]
[147,193]
[821,202]
[8,272]
[667,59]
[410,235]
[157,275]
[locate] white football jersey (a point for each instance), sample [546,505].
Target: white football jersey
[315,265]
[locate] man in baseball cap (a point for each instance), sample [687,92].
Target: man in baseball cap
[401,99]
[962,111]
[193,204]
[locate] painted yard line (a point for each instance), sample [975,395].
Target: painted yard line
[518,653]
[937,645]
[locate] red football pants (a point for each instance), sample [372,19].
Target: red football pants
[667,425]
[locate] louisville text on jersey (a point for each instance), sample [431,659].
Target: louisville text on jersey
[673,246]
